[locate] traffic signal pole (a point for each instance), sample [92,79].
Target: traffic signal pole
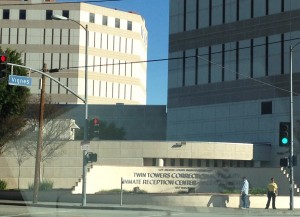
[292,130]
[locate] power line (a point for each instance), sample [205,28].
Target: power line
[204,59]
[196,56]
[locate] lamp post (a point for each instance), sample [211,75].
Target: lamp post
[292,130]
[85,135]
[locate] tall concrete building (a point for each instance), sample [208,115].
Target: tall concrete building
[117,47]
[229,73]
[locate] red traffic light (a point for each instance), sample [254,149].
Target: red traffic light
[3,58]
[96,121]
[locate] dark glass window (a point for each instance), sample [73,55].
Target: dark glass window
[153,162]
[104,21]
[266,108]
[181,162]
[92,18]
[215,163]
[172,162]
[49,14]
[5,14]
[65,13]
[207,163]
[22,14]
[198,163]
[129,25]
[117,23]
[190,162]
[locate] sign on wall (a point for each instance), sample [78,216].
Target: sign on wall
[149,179]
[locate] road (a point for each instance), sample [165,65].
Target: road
[24,211]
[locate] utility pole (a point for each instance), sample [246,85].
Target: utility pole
[38,158]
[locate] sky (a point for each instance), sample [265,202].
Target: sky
[156,15]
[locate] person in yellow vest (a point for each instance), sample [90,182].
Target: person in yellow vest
[272,192]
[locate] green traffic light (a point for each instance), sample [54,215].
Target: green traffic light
[284,141]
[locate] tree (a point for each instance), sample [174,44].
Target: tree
[13,102]
[54,130]
[19,149]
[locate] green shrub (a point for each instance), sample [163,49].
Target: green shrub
[119,191]
[253,191]
[230,191]
[258,191]
[45,185]
[3,184]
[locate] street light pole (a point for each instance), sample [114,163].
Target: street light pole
[292,130]
[85,135]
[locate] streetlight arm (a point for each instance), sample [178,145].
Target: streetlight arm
[59,17]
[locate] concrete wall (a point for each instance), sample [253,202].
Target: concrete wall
[65,169]
[175,179]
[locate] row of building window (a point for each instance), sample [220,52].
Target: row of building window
[205,13]
[65,13]
[203,163]
[254,58]
[63,37]
[103,89]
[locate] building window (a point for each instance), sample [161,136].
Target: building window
[117,23]
[215,163]
[190,162]
[207,163]
[129,25]
[49,14]
[181,162]
[172,162]
[198,163]
[22,14]
[266,108]
[65,13]
[5,14]
[104,21]
[92,18]
[153,162]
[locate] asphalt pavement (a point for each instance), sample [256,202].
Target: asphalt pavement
[144,208]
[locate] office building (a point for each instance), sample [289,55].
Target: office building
[229,78]
[116,41]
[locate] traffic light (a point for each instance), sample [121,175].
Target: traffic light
[91,157]
[93,130]
[96,123]
[3,61]
[284,162]
[284,134]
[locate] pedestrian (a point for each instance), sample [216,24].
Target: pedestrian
[244,193]
[272,192]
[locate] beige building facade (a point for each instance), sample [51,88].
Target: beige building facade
[117,49]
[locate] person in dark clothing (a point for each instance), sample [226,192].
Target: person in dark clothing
[272,192]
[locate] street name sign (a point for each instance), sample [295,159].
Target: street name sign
[19,80]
